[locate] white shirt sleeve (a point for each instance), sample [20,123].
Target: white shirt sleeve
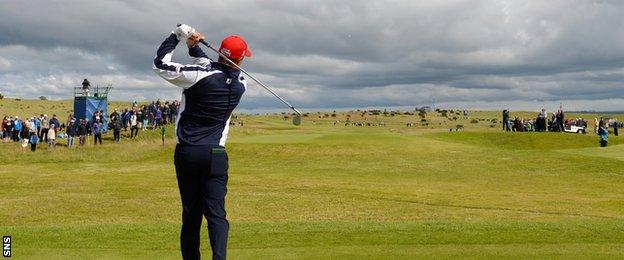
[183,76]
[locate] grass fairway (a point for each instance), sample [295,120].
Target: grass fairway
[329,191]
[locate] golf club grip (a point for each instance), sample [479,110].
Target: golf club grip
[205,43]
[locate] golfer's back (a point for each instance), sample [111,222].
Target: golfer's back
[211,92]
[206,107]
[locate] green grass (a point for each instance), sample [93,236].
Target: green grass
[325,191]
[525,140]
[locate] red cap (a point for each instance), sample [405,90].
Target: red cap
[234,47]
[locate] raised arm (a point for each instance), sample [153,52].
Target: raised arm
[183,76]
[199,57]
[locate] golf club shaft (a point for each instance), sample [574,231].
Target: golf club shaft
[252,77]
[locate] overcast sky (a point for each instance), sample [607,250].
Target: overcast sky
[331,54]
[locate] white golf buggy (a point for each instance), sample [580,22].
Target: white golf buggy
[575,127]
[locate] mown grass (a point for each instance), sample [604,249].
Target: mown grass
[525,140]
[329,191]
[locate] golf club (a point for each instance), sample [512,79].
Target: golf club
[296,119]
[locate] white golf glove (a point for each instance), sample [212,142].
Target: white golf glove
[183,31]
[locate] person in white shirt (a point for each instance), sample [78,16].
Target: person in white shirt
[51,136]
[134,125]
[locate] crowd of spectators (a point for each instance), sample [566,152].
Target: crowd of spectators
[558,123]
[541,123]
[43,129]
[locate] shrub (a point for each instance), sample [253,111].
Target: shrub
[474,121]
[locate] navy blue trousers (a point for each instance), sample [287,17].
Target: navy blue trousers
[202,180]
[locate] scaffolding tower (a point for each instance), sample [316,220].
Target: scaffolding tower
[87,102]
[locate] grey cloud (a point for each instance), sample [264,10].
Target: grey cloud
[329,53]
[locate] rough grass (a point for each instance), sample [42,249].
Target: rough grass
[325,191]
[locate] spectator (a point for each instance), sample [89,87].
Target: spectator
[134,127]
[52,136]
[125,119]
[150,117]
[158,118]
[174,111]
[82,132]
[32,125]
[603,133]
[142,117]
[97,132]
[506,121]
[5,128]
[37,121]
[117,125]
[97,116]
[24,135]
[54,121]
[114,114]
[89,125]
[554,124]
[541,121]
[69,119]
[72,131]
[86,85]
[9,129]
[34,140]
[560,119]
[17,128]
[45,126]
[166,113]
[518,125]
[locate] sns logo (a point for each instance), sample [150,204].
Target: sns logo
[6,246]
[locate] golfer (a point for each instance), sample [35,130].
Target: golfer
[210,91]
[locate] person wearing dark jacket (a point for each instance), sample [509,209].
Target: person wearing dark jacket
[117,125]
[125,118]
[210,92]
[560,120]
[114,114]
[24,135]
[34,140]
[97,132]
[82,132]
[603,133]
[72,131]
[505,119]
[85,87]
[55,121]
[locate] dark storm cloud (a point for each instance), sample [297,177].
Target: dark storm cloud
[329,53]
